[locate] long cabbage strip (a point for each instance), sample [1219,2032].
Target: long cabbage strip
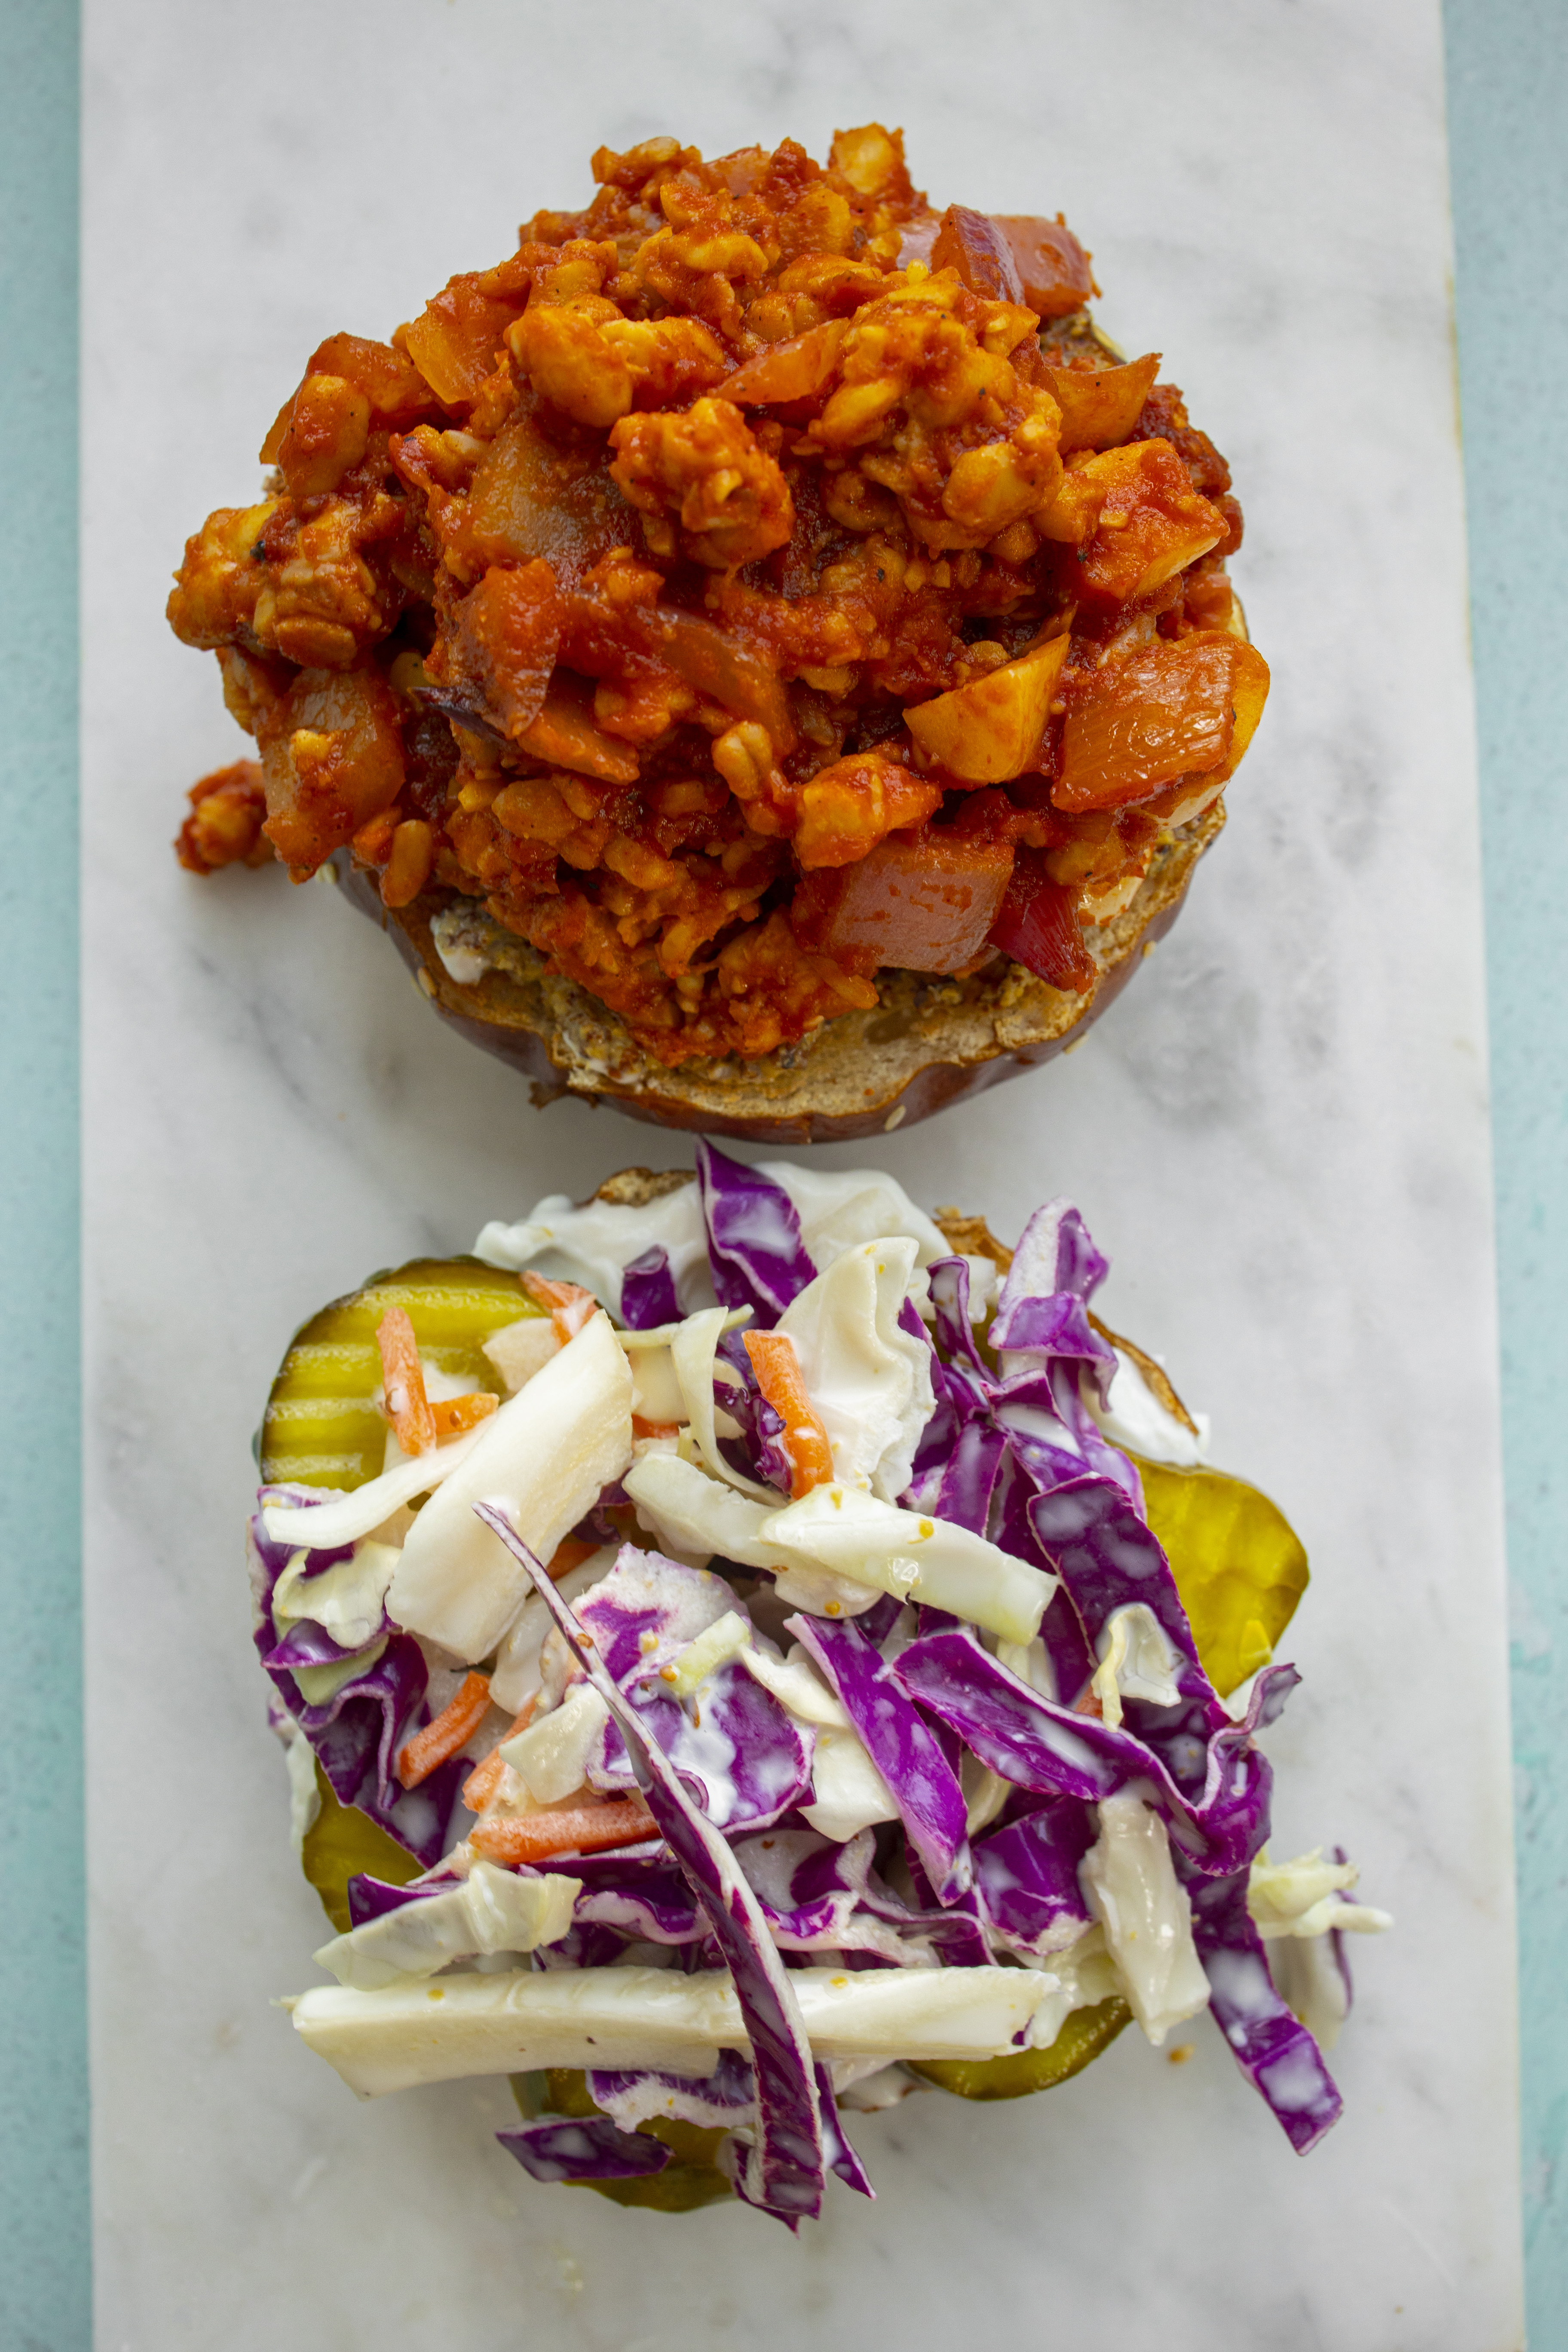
[934,1561]
[633,2017]
[776,1363]
[693,1352]
[784,2172]
[343,1518]
[547,1455]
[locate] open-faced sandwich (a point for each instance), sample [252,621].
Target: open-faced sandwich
[763,655]
[748,1652]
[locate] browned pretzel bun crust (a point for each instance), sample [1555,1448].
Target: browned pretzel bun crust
[930,1042]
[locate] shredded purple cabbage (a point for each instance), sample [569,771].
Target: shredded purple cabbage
[784,2172]
[902,1745]
[1277,2053]
[736,1877]
[372,1898]
[1026,1878]
[589,2147]
[647,1291]
[754,1247]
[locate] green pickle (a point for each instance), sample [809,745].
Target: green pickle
[341,1842]
[320,1427]
[1085,2033]
[1239,1565]
[321,1430]
[691,2180]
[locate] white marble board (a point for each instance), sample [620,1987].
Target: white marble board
[1280,1135]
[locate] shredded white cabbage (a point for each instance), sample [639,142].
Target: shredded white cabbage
[344,1518]
[1309,1981]
[304,1796]
[848,1793]
[344,1599]
[868,1379]
[625,2018]
[517,1676]
[544,1458]
[726,1638]
[1134,1892]
[679,1504]
[913,1555]
[1079,1977]
[551,1755]
[522,1349]
[489,1911]
[797,1687]
[1304,1898]
[1136,1661]
[316,1684]
[693,1358]
[839,1208]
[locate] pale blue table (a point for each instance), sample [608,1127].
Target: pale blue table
[1508,116]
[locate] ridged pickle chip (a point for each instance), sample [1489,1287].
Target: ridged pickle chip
[1239,1565]
[341,1842]
[321,1428]
[1085,2033]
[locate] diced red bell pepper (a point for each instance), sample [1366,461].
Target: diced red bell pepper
[1037,927]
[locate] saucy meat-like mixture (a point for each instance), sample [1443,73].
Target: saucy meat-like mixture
[756,581]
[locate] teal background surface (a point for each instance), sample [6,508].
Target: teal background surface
[1507,116]
[1508,65]
[46,2250]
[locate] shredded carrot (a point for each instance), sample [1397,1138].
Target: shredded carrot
[456,1722]
[482,1781]
[576,1828]
[568,1554]
[641,1428]
[408,1406]
[568,1302]
[452,1416]
[1087,1703]
[777,1367]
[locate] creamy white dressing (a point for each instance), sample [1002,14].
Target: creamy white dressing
[593,1245]
[1134,1418]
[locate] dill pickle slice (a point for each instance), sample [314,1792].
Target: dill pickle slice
[321,1428]
[1085,2033]
[341,1842]
[691,2179]
[1239,1565]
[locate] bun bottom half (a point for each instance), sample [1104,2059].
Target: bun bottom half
[931,1042]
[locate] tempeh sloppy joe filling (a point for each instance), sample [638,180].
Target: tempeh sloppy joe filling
[755,581]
